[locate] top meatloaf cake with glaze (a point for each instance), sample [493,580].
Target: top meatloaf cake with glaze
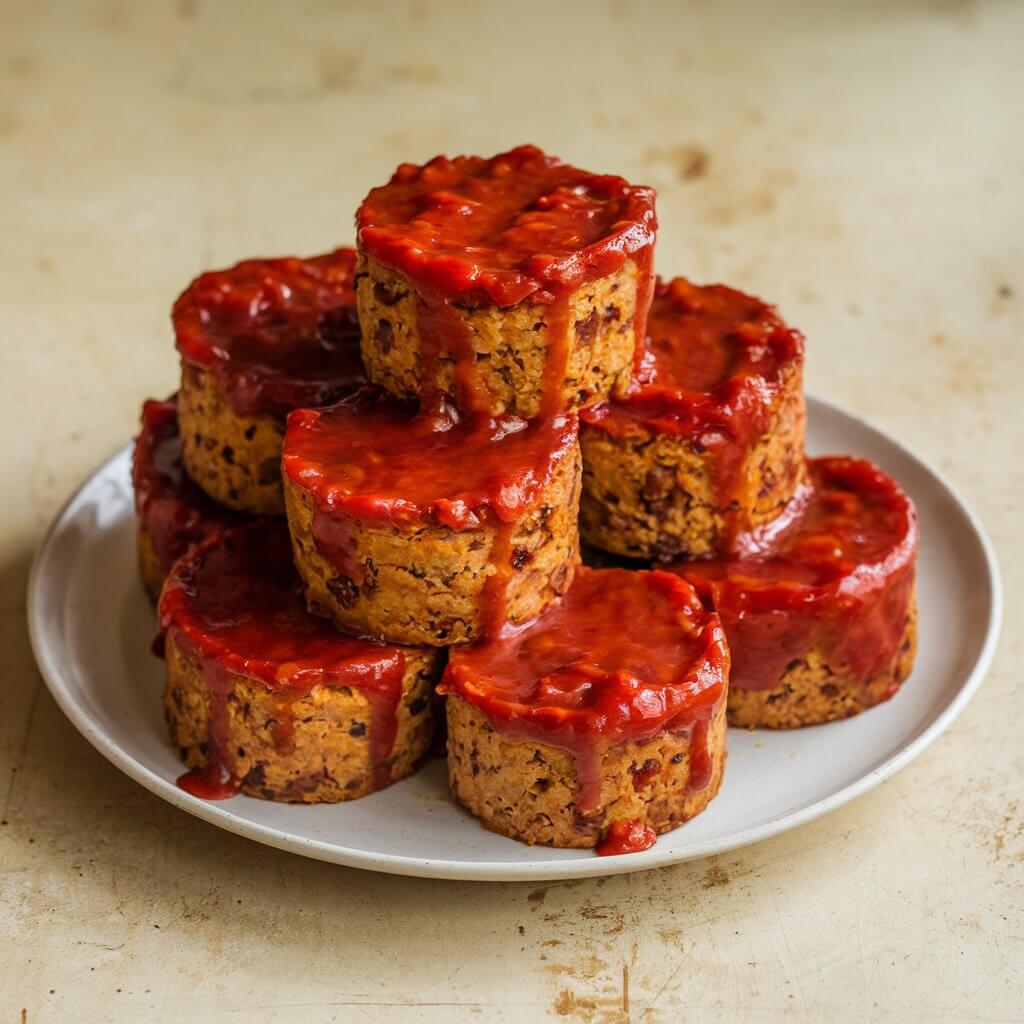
[517,284]
[172,513]
[820,615]
[709,442]
[256,341]
[430,529]
[607,709]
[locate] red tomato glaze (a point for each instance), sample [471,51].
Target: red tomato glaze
[276,334]
[624,656]
[625,836]
[520,225]
[838,578]
[372,458]
[172,510]
[236,603]
[711,370]
[496,231]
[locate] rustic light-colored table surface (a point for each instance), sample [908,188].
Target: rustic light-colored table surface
[860,164]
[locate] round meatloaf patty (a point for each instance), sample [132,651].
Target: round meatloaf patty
[423,530]
[256,341]
[822,620]
[266,699]
[708,446]
[607,711]
[513,285]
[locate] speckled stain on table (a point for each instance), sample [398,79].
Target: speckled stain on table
[859,164]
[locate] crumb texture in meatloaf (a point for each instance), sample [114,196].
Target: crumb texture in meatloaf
[426,528]
[171,511]
[812,691]
[256,341]
[820,618]
[529,792]
[235,459]
[516,284]
[709,442]
[264,698]
[560,728]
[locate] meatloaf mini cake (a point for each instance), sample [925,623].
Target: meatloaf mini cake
[425,529]
[256,341]
[265,699]
[515,285]
[822,624]
[710,441]
[603,721]
[172,513]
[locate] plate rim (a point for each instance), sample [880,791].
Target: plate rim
[524,871]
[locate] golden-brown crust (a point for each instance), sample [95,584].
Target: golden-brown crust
[150,569]
[528,791]
[812,692]
[654,496]
[511,344]
[328,756]
[427,584]
[235,459]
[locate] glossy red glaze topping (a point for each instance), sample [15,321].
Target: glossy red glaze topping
[623,656]
[521,225]
[496,231]
[625,836]
[710,369]
[173,511]
[236,602]
[277,334]
[837,578]
[370,457]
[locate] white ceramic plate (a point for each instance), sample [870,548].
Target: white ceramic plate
[92,625]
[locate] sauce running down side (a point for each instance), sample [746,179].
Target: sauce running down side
[236,603]
[497,232]
[625,656]
[171,509]
[711,371]
[838,579]
[626,836]
[371,458]
[277,334]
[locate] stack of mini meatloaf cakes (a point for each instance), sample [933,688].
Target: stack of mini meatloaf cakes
[361,516]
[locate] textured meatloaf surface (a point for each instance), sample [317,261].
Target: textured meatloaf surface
[653,495]
[427,583]
[528,791]
[812,691]
[327,757]
[235,459]
[510,344]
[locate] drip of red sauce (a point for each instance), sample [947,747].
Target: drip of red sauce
[172,510]
[623,656]
[711,369]
[216,779]
[277,334]
[838,577]
[700,755]
[625,836]
[520,225]
[237,603]
[370,457]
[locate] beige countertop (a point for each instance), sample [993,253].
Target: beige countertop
[861,164]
